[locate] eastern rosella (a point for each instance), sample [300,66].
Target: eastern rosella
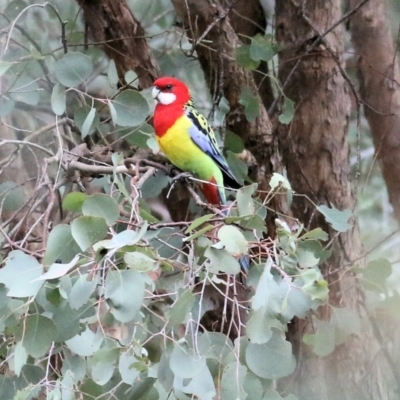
[187,139]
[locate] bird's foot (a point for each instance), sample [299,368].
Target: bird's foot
[181,176]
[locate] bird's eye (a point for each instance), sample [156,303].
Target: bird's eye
[168,86]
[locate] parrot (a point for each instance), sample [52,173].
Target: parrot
[189,143]
[187,140]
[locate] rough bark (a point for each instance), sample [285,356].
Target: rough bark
[123,37]
[248,19]
[315,152]
[380,89]
[209,21]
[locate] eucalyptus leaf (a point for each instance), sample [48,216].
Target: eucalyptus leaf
[117,287]
[101,205]
[73,69]
[60,245]
[287,112]
[58,99]
[130,107]
[73,201]
[20,274]
[184,363]
[231,386]
[88,230]
[271,360]
[338,219]
[37,334]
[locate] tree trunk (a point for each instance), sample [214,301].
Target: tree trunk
[315,152]
[112,22]
[380,89]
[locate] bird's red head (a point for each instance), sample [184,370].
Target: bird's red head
[168,90]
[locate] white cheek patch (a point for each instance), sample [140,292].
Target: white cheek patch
[166,98]
[155,92]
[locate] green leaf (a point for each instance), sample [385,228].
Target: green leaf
[231,386]
[323,341]
[315,234]
[6,106]
[26,90]
[20,274]
[252,386]
[35,53]
[222,261]
[306,259]
[5,66]
[125,238]
[279,180]
[112,73]
[262,48]
[37,333]
[233,142]
[60,245]
[153,186]
[138,136]
[272,360]
[268,293]
[101,205]
[75,364]
[113,112]
[233,240]
[58,270]
[20,357]
[259,326]
[244,59]
[87,124]
[199,221]
[82,290]
[251,104]
[131,108]
[73,69]
[73,201]
[125,292]
[85,344]
[90,390]
[375,274]
[200,387]
[216,346]
[338,219]
[287,112]
[128,373]
[314,285]
[87,230]
[11,196]
[140,262]
[130,77]
[237,166]
[68,320]
[199,233]
[82,116]
[58,99]
[245,201]
[184,363]
[179,311]
[103,362]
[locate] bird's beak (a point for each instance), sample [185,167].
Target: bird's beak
[155,92]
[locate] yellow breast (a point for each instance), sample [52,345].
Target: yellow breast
[179,148]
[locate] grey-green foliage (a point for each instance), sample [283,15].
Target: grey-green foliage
[119,328]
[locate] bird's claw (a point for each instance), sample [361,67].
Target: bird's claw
[181,176]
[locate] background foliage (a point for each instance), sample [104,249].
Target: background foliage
[112,307]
